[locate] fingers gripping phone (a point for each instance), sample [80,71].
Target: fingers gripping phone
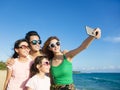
[90,31]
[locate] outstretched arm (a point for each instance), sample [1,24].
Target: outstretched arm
[84,45]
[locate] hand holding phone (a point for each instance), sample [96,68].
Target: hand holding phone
[93,32]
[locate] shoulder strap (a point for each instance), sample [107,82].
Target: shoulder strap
[64,56]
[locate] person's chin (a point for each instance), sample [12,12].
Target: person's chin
[37,49]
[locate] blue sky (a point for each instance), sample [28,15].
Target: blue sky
[67,20]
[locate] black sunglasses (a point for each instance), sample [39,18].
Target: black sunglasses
[52,45]
[34,42]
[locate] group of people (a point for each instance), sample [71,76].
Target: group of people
[33,67]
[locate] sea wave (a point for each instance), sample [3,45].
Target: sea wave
[97,81]
[105,80]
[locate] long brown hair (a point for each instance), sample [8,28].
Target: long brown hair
[46,47]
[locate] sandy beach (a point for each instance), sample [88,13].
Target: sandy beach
[2,78]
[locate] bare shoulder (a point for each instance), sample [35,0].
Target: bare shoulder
[64,51]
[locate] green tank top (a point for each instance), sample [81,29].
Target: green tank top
[62,74]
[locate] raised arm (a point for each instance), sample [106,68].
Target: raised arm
[84,45]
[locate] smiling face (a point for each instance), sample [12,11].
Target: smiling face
[35,43]
[23,49]
[43,64]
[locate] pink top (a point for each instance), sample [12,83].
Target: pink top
[20,74]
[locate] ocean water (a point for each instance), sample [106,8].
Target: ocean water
[97,81]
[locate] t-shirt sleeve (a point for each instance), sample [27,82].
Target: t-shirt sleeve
[30,83]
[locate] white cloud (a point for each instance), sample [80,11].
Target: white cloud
[109,68]
[112,39]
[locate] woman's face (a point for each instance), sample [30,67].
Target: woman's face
[35,43]
[54,46]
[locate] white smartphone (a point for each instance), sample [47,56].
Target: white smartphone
[89,31]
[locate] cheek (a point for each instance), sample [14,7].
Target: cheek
[28,50]
[51,49]
[47,68]
[59,47]
[33,47]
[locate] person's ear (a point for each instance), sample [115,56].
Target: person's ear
[38,66]
[16,50]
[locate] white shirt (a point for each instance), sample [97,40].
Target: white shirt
[37,83]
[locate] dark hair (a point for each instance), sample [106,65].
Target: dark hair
[33,69]
[31,33]
[45,48]
[16,45]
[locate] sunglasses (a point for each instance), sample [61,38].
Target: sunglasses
[34,42]
[46,63]
[52,45]
[23,47]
